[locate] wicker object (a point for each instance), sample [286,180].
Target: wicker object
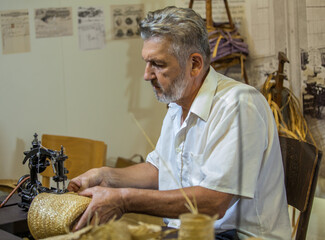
[54,214]
[227,45]
[7,185]
[196,227]
[113,230]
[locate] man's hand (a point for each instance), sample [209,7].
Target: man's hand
[105,204]
[91,178]
[142,175]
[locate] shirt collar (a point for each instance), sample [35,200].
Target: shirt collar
[173,109]
[201,105]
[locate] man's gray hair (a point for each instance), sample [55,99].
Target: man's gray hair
[183,27]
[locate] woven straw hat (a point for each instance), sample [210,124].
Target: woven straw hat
[54,214]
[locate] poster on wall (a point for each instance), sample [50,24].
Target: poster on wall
[91,28]
[53,22]
[15,31]
[125,20]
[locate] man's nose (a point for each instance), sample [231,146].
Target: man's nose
[148,72]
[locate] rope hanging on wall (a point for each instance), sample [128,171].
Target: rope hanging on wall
[227,45]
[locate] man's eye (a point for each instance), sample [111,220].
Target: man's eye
[157,64]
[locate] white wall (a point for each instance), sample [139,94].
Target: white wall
[58,89]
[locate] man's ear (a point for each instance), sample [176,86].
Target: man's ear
[196,64]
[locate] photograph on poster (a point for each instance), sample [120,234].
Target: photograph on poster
[125,19]
[53,22]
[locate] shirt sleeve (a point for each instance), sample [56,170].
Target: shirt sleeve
[153,159]
[235,149]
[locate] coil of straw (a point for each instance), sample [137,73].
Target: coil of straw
[113,230]
[55,214]
[196,227]
[296,125]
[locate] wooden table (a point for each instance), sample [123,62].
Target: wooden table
[13,220]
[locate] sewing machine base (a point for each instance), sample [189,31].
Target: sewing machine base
[13,220]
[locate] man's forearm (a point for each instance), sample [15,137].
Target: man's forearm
[171,203]
[143,175]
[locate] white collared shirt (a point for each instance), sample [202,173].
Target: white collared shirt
[228,143]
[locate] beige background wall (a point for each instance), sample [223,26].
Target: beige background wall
[58,89]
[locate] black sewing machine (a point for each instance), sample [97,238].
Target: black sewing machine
[39,158]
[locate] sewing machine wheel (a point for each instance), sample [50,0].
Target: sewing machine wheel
[24,185]
[39,164]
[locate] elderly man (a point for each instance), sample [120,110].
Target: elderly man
[218,142]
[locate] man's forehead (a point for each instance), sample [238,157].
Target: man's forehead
[152,49]
[155,44]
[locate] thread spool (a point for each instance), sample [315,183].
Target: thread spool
[196,227]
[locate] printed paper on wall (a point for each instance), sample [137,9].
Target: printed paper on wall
[125,20]
[91,28]
[15,31]
[53,22]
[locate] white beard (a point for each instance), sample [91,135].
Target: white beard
[175,91]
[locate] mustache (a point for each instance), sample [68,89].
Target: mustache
[155,83]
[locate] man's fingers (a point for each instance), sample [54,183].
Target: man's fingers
[86,192]
[84,219]
[87,214]
[73,186]
[78,184]
[84,183]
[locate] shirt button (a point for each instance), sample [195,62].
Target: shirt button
[178,150]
